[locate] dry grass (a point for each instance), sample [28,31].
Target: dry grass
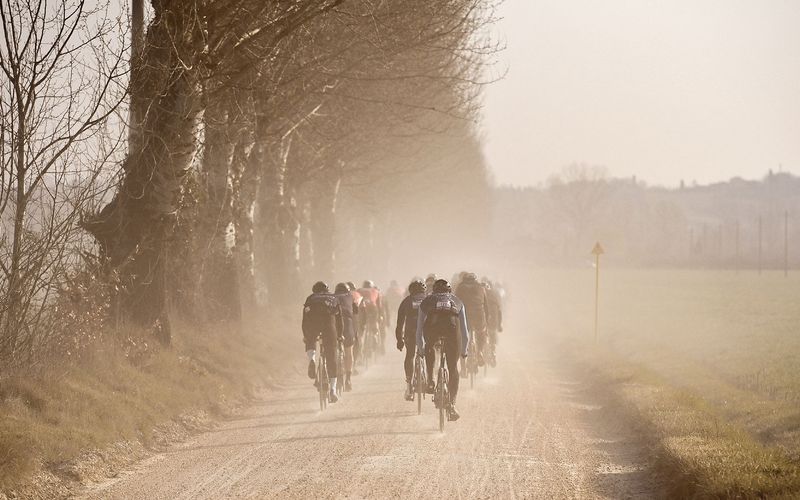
[120,394]
[700,452]
[706,360]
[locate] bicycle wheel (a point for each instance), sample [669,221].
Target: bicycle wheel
[442,395]
[420,383]
[340,369]
[322,377]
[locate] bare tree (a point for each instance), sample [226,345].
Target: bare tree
[62,78]
[577,197]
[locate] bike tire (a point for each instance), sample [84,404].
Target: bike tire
[420,385]
[323,384]
[442,390]
[339,372]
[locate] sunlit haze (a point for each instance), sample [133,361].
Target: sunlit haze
[694,90]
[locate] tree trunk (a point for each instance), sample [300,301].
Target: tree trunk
[133,227]
[216,293]
[271,201]
[245,178]
[323,223]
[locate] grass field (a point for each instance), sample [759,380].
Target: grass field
[710,358]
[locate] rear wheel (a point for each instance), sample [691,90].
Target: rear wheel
[340,370]
[442,396]
[419,383]
[322,383]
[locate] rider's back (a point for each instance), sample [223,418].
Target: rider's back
[473,296]
[441,312]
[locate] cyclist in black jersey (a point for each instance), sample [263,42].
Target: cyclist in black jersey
[442,315]
[406,330]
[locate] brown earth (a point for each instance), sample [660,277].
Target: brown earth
[528,429]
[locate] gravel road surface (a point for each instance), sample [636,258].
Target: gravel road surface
[528,430]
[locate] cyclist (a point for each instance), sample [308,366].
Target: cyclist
[441,315]
[429,281]
[322,317]
[357,324]
[473,296]
[494,320]
[373,311]
[349,309]
[392,298]
[406,330]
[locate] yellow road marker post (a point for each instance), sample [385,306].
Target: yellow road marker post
[597,251]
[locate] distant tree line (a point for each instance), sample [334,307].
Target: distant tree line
[207,157]
[733,224]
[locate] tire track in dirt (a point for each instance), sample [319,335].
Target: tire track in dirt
[527,430]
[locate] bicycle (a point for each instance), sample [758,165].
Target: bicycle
[441,396]
[419,381]
[369,351]
[322,381]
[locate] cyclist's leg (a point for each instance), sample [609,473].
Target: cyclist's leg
[348,361]
[411,349]
[492,344]
[310,341]
[430,357]
[330,342]
[480,341]
[453,352]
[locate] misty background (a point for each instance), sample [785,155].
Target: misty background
[666,91]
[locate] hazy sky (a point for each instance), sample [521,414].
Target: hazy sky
[664,89]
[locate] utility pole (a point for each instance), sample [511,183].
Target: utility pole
[738,262]
[786,243]
[597,251]
[760,231]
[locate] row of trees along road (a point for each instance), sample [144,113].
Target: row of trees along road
[199,157]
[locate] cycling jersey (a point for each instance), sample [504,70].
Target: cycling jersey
[473,295]
[442,313]
[348,323]
[407,315]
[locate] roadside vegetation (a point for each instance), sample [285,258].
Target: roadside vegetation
[123,391]
[706,362]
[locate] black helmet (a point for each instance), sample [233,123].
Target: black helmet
[416,286]
[351,285]
[319,287]
[442,286]
[368,284]
[342,288]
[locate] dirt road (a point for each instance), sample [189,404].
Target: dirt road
[527,430]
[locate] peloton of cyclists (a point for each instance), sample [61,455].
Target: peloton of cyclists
[424,315]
